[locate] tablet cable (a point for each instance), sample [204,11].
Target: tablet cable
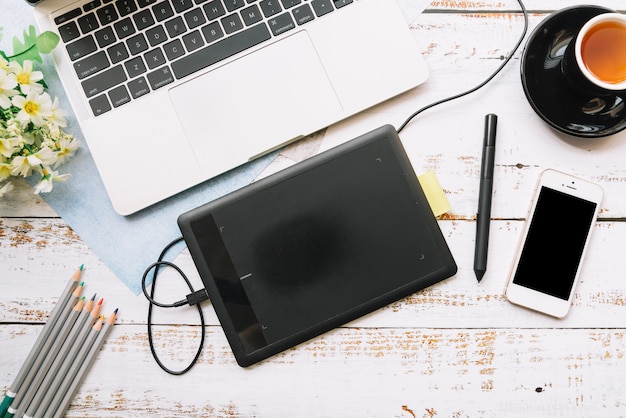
[193,298]
[481,85]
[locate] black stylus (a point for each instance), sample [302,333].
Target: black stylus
[483,216]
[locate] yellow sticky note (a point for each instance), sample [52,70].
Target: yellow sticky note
[434,193]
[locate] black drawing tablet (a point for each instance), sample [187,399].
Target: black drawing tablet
[316,245]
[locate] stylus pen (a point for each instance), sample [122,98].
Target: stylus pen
[483,216]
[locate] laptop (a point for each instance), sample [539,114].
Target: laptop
[170,93]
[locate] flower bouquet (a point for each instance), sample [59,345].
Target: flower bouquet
[32,140]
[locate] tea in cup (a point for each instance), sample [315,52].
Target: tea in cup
[595,60]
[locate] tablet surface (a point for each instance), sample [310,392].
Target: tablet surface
[316,245]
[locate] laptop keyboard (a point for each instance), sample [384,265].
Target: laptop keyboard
[124,49]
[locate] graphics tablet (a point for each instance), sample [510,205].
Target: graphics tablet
[316,245]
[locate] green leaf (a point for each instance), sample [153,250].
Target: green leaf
[27,49]
[47,41]
[33,46]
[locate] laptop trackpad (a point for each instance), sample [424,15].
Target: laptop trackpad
[256,103]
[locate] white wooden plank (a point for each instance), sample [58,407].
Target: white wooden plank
[356,373]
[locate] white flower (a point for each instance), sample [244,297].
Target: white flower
[67,148]
[24,166]
[7,88]
[46,183]
[5,189]
[7,147]
[33,108]
[57,118]
[45,156]
[29,79]
[9,66]
[5,171]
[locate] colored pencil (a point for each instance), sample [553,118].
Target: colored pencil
[76,336]
[79,350]
[24,397]
[79,368]
[67,300]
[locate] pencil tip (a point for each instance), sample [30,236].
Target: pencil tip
[100,302]
[94,296]
[82,284]
[115,311]
[479,274]
[82,267]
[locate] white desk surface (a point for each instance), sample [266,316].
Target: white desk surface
[457,349]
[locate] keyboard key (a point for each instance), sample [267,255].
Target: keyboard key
[91,65]
[341,3]
[195,18]
[59,20]
[88,23]
[232,5]
[154,58]
[145,3]
[138,87]
[92,5]
[232,23]
[107,14]
[175,27]
[100,105]
[281,24]
[162,11]
[126,7]
[287,4]
[182,5]
[119,96]
[137,44]
[251,15]
[143,19]
[124,28]
[214,9]
[221,50]
[135,67]
[105,37]
[303,14]
[174,49]
[322,7]
[117,53]
[104,81]
[271,7]
[156,35]
[212,32]
[161,77]
[69,31]
[193,41]
[81,47]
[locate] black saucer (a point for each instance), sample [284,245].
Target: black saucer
[554,99]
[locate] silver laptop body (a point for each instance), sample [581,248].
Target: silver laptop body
[167,108]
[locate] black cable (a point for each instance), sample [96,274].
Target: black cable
[481,85]
[194,298]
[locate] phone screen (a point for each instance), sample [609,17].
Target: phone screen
[555,242]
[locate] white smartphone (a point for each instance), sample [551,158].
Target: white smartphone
[559,223]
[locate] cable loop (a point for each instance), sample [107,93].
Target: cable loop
[155,266]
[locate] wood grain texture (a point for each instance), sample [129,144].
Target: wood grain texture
[356,372]
[457,349]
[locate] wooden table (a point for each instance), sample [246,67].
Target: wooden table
[457,349]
